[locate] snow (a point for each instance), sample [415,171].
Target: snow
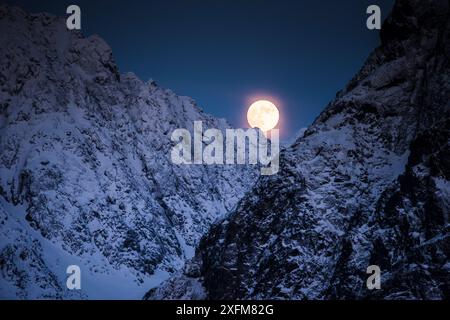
[86,156]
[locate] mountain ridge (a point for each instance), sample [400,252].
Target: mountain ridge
[85,168]
[366,184]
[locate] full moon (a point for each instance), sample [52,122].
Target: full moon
[263,114]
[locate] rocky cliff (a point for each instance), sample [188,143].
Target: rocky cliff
[366,184]
[85,171]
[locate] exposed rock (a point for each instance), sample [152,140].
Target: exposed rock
[85,167]
[367,183]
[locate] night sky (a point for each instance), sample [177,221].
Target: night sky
[225,54]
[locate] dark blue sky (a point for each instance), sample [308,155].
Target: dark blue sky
[226,53]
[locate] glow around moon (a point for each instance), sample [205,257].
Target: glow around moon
[263,114]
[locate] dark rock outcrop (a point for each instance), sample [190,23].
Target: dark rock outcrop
[367,184]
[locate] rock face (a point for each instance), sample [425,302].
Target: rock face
[366,184]
[85,170]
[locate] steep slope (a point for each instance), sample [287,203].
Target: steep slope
[85,170]
[367,183]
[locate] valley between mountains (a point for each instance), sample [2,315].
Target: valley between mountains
[86,178]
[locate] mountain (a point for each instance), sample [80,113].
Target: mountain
[366,184]
[85,171]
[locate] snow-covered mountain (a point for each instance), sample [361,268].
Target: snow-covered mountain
[85,170]
[366,184]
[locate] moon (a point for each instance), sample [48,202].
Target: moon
[263,114]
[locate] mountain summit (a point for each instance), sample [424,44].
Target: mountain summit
[85,171]
[366,184]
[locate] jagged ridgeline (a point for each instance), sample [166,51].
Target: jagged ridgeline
[366,184]
[85,171]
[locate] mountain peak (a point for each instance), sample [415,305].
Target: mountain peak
[364,185]
[85,170]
